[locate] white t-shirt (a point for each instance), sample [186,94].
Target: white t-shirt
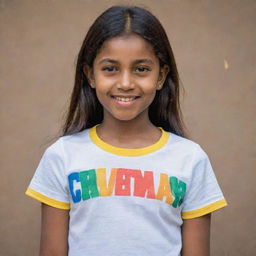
[128,202]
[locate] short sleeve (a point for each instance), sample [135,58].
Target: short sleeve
[203,194]
[49,184]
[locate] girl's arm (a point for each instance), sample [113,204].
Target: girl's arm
[196,236]
[54,231]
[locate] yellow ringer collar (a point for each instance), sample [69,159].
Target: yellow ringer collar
[128,151]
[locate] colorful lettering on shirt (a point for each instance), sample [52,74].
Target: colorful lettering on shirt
[125,182]
[102,182]
[178,190]
[164,190]
[88,184]
[75,193]
[144,185]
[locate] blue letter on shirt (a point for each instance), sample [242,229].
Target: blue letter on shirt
[76,195]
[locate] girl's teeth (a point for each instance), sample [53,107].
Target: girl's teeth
[125,99]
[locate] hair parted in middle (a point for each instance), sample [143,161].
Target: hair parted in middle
[85,110]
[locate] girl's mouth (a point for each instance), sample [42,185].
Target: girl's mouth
[125,98]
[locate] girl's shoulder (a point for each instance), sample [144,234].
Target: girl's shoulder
[75,137]
[186,146]
[177,140]
[69,141]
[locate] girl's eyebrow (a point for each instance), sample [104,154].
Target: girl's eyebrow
[107,60]
[149,61]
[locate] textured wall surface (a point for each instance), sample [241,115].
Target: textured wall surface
[214,44]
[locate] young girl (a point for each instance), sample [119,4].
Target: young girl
[123,179]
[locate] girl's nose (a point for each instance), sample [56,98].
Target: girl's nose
[125,82]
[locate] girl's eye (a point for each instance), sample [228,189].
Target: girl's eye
[109,69]
[142,69]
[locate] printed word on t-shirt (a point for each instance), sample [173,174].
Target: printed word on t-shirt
[93,183]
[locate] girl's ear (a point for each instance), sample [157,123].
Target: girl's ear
[162,76]
[88,71]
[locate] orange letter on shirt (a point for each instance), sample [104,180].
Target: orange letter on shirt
[102,181]
[164,189]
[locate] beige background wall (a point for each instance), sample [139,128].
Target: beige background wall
[214,44]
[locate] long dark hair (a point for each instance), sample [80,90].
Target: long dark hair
[85,110]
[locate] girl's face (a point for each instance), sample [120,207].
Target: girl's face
[126,74]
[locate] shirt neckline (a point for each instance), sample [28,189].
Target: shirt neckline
[128,151]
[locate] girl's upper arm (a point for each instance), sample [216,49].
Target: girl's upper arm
[54,231]
[196,236]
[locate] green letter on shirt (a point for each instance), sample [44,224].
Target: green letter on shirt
[89,184]
[178,189]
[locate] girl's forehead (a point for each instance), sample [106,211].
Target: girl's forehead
[126,46]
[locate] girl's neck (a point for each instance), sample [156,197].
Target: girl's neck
[129,134]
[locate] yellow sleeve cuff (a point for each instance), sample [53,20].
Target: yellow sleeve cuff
[47,200]
[204,210]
